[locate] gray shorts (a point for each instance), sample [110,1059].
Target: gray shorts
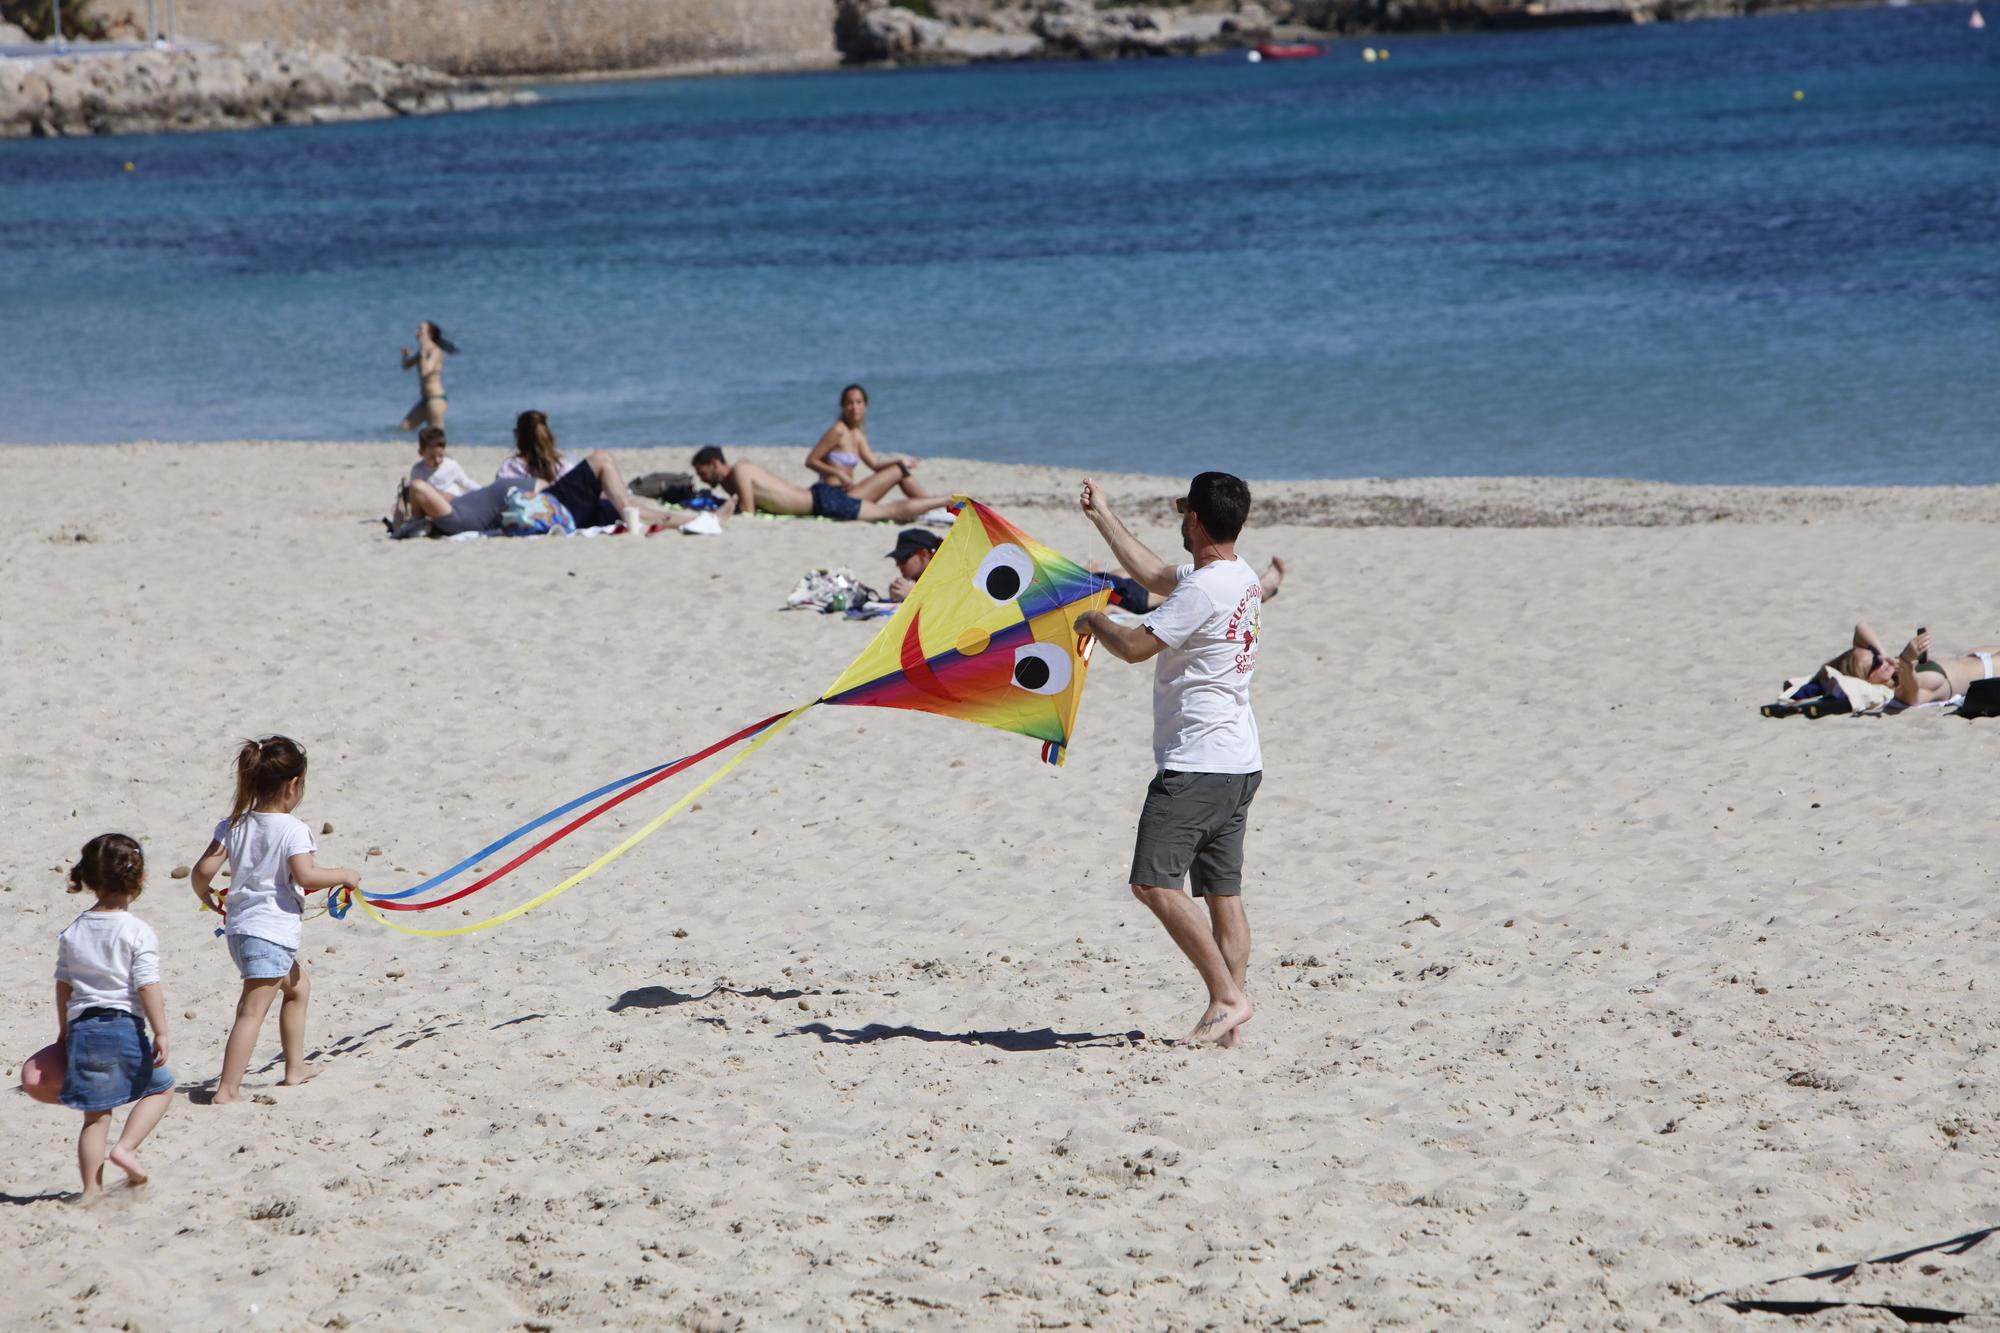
[1192,828]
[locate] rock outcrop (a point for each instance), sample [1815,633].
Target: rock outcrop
[931,31]
[530,37]
[973,30]
[153,91]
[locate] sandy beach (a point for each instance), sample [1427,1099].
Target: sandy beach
[1583,991]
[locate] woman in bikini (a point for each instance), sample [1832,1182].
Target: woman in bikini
[844,448]
[429,362]
[1916,677]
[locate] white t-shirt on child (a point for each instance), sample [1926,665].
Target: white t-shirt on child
[449,477]
[106,957]
[1202,721]
[262,899]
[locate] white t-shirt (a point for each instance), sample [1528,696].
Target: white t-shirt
[106,957]
[517,466]
[262,899]
[449,477]
[1202,721]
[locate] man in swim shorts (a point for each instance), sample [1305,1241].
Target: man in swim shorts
[758,488]
[1206,752]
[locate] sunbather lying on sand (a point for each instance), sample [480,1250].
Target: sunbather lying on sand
[1915,676]
[755,488]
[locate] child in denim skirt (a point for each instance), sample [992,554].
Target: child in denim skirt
[107,975]
[270,856]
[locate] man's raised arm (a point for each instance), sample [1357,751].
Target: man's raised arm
[1153,574]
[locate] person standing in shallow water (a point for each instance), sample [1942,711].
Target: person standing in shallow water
[428,360]
[1209,762]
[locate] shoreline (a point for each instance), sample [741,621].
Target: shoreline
[1311,502]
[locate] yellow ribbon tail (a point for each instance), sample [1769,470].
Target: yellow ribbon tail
[580,876]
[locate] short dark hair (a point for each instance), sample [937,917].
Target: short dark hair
[708,453]
[1221,502]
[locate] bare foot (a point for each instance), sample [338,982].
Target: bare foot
[306,1074]
[1274,574]
[91,1196]
[127,1161]
[221,1098]
[1232,1039]
[1219,1022]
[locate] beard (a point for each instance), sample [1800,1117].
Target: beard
[1187,538]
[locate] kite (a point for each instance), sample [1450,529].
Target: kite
[988,635]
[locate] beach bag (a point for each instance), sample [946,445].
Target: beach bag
[674,488]
[527,514]
[830,590]
[1982,699]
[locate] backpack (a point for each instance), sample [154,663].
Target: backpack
[674,488]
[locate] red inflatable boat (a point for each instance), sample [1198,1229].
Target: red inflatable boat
[1290,50]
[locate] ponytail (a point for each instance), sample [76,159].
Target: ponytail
[262,770]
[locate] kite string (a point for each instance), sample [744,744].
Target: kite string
[601,862]
[519,833]
[652,777]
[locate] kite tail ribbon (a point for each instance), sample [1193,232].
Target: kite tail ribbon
[645,831]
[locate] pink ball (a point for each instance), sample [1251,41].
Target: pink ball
[42,1073]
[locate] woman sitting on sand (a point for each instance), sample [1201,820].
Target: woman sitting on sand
[591,488]
[429,362]
[1916,678]
[844,448]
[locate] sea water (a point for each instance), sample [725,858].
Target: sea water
[1754,251]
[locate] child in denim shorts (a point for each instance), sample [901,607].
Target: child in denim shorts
[107,975]
[270,856]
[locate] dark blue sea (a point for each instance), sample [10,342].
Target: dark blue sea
[1620,252]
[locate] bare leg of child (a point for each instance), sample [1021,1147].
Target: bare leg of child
[292,1028]
[251,1007]
[125,1153]
[90,1153]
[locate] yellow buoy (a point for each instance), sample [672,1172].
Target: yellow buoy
[1384,53]
[128,166]
[1798,95]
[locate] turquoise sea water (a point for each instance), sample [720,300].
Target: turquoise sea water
[1620,252]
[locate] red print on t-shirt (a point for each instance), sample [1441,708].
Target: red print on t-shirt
[1243,627]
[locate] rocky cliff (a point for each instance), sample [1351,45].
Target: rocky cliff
[532,36]
[151,91]
[917,31]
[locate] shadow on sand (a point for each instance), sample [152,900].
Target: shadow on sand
[1004,1039]
[660,997]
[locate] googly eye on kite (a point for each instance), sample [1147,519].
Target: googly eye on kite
[1041,668]
[1005,573]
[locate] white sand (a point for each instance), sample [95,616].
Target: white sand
[1547,920]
